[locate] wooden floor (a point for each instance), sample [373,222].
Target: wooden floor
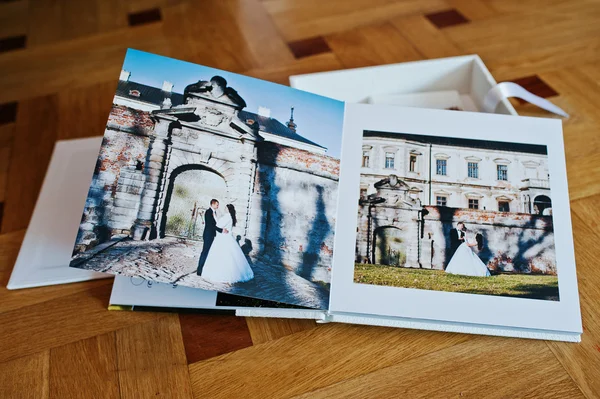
[59,61]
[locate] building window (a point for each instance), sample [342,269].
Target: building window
[502,172]
[365,158]
[389,160]
[440,200]
[413,163]
[473,170]
[440,167]
[503,206]
[473,203]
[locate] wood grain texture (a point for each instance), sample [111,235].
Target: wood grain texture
[206,336]
[267,329]
[312,359]
[62,320]
[484,367]
[61,71]
[372,45]
[426,38]
[304,19]
[32,148]
[280,74]
[89,363]
[151,360]
[25,377]
[582,361]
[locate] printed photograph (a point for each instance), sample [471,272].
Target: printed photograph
[458,215]
[214,180]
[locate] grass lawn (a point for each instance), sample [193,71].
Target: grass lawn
[514,285]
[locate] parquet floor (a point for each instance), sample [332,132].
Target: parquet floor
[59,61]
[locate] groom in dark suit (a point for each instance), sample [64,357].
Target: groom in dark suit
[457,237]
[210,232]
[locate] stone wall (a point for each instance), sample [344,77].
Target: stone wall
[392,228]
[513,242]
[292,218]
[115,184]
[292,198]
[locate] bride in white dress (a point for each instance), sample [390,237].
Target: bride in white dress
[466,262]
[226,262]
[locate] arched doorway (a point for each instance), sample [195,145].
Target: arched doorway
[388,246]
[190,189]
[542,205]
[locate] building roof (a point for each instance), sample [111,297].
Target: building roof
[147,94]
[154,95]
[273,126]
[459,142]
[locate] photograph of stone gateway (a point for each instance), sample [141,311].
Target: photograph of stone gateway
[454,214]
[196,188]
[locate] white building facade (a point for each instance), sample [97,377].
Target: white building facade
[460,173]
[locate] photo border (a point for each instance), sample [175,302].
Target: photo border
[350,297]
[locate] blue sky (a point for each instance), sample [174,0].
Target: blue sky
[319,119]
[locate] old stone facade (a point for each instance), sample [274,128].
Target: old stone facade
[410,202]
[512,242]
[461,173]
[284,197]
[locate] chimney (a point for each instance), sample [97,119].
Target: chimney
[124,75]
[167,86]
[291,125]
[263,111]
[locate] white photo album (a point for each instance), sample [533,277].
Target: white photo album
[208,181]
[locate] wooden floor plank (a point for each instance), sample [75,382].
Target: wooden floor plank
[319,357]
[428,40]
[474,9]
[89,366]
[280,74]
[61,321]
[301,20]
[4,164]
[483,367]
[372,45]
[247,42]
[13,18]
[582,361]
[37,122]
[267,329]
[74,63]
[581,147]
[151,360]
[26,377]
[59,64]
[10,245]
[93,104]
[206,336]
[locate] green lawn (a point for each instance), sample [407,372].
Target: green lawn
[514,285]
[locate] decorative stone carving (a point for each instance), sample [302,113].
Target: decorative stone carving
[211,117]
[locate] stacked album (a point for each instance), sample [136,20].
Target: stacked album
[213,190]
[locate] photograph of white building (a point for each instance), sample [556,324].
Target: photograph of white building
[458,173]
[447,213]
[193,156]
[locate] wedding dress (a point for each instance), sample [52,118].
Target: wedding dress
[226,262]
[465,262]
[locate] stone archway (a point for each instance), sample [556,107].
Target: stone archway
[189,191]
[541,203]
[388,246]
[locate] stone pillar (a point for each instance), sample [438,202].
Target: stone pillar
[145,225]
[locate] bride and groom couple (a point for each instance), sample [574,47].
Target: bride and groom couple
[465,261]
[222,259]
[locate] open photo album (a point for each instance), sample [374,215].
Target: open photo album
[220,191]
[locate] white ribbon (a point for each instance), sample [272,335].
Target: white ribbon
[509,89]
